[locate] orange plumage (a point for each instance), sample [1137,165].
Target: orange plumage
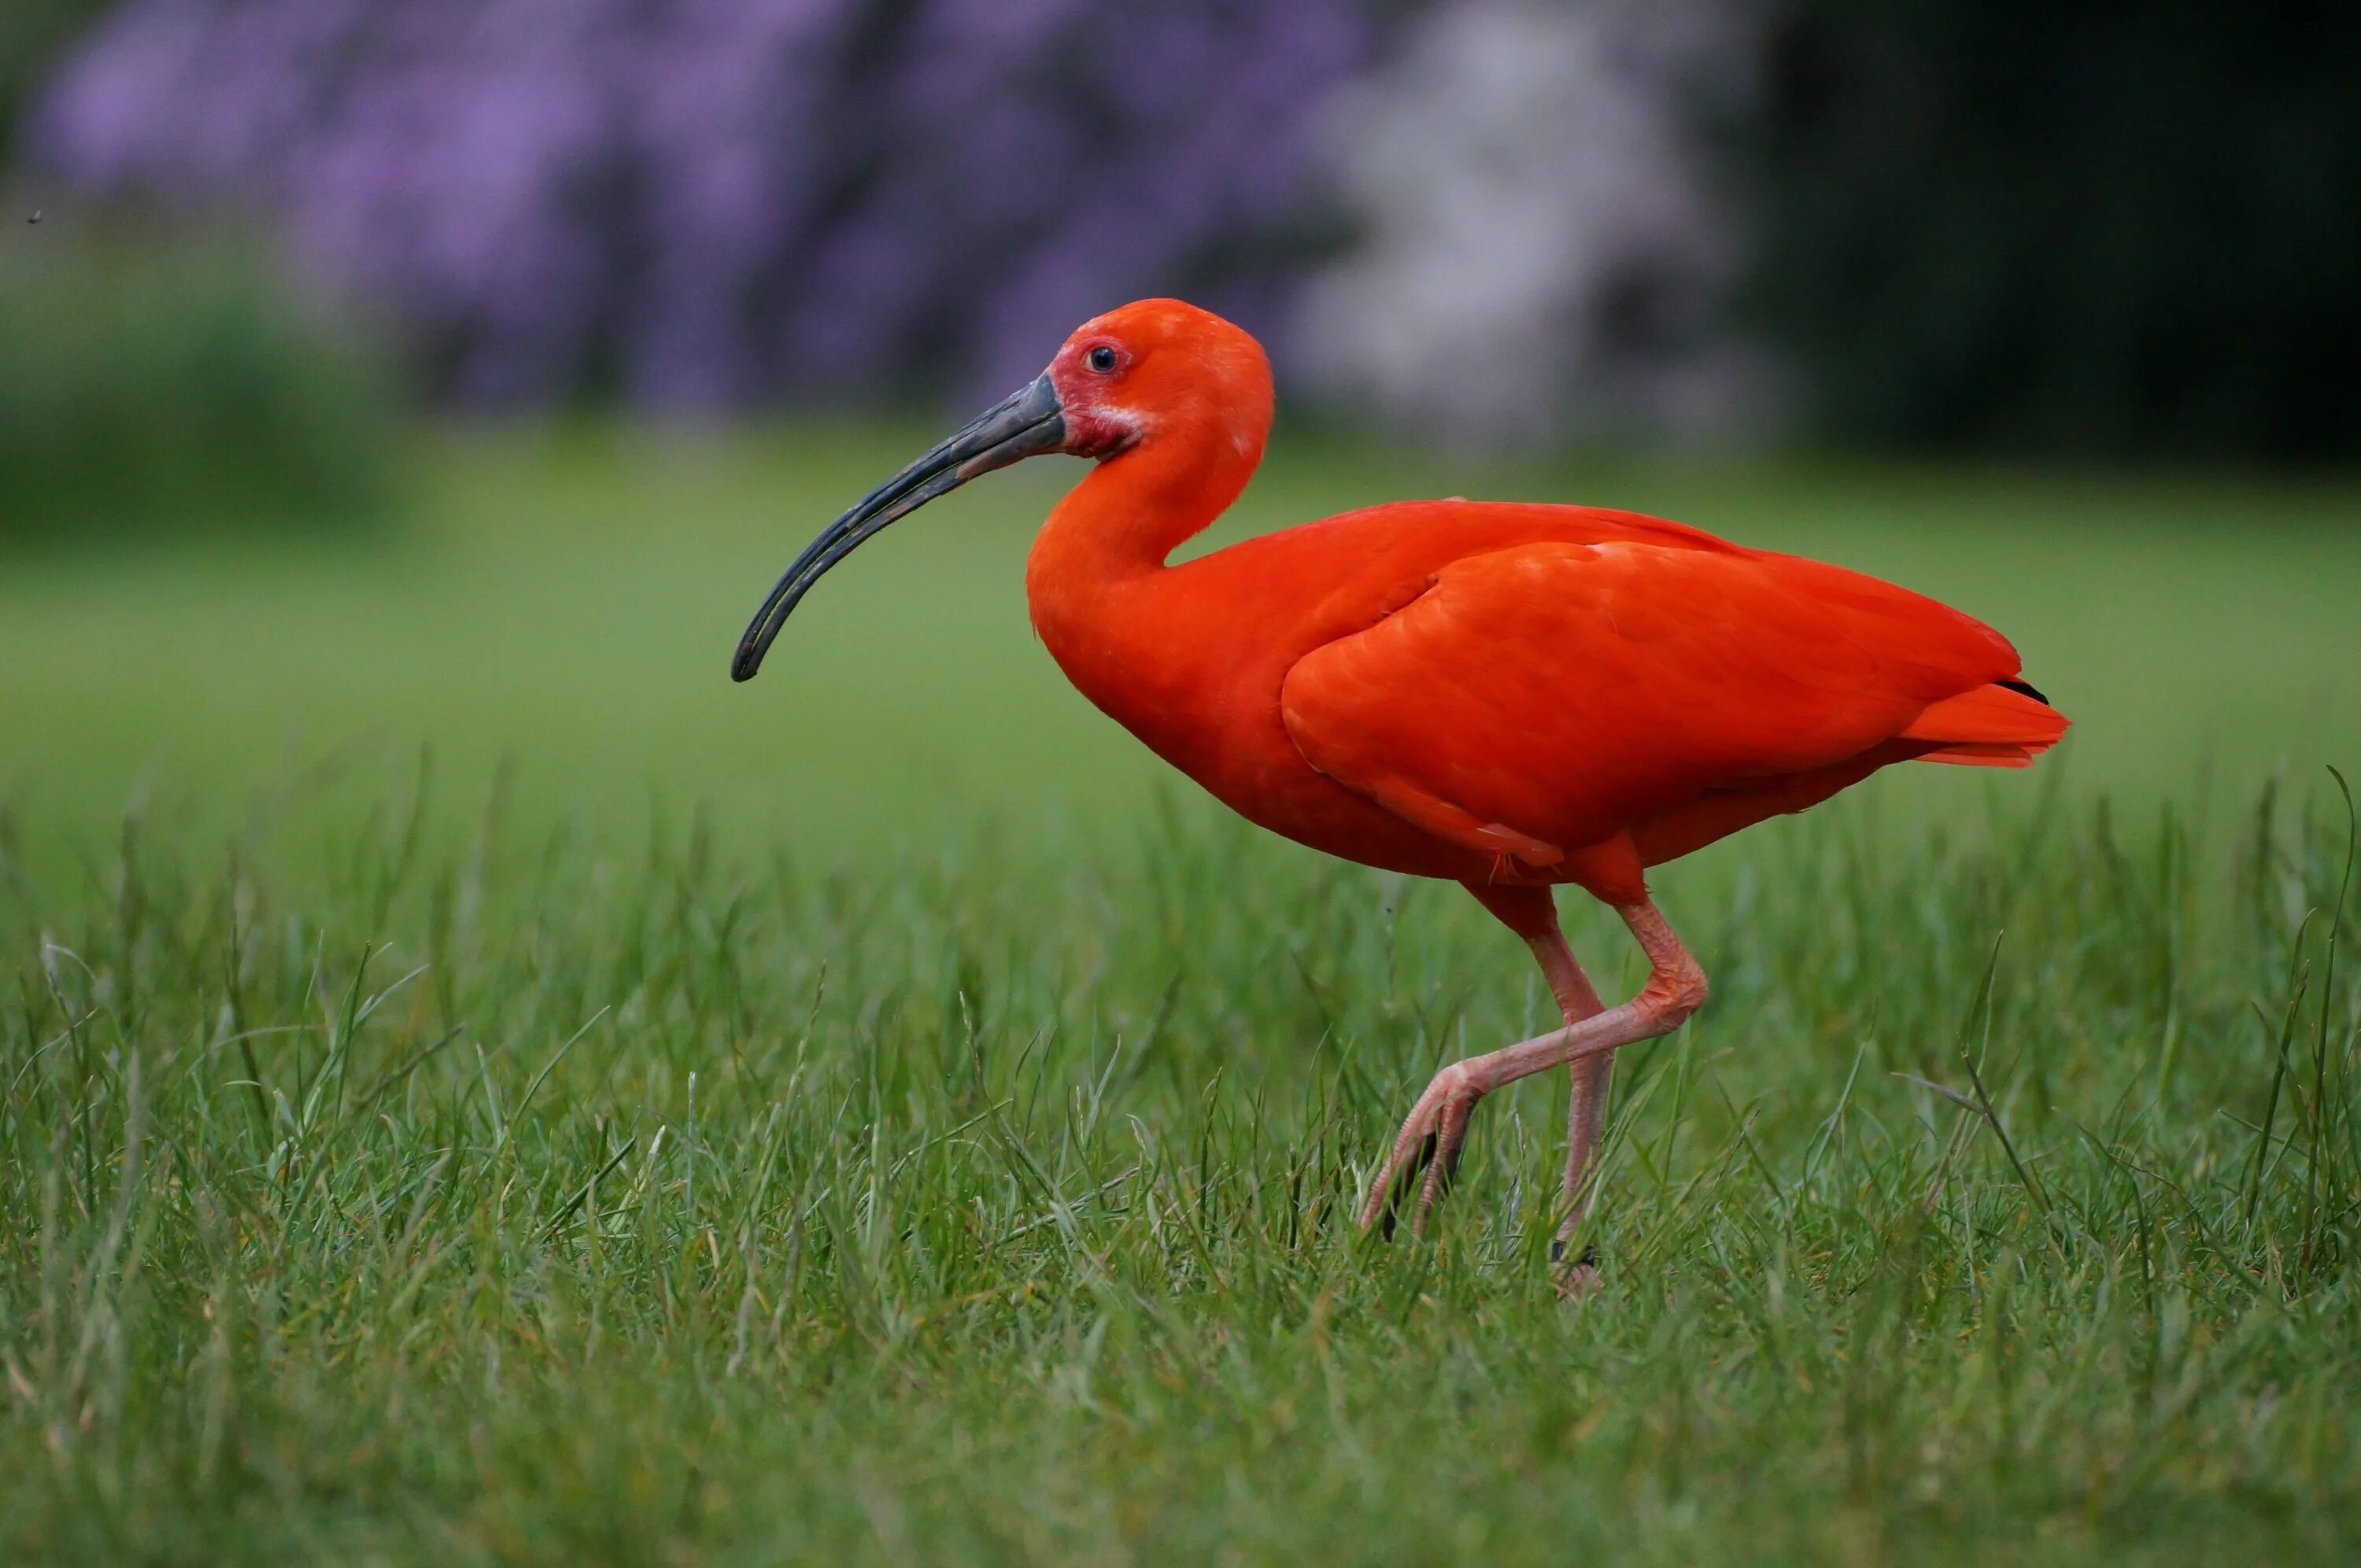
[1507,695]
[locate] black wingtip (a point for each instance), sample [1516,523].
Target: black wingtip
[2023,687]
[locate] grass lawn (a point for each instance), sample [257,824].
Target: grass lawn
[862,1117]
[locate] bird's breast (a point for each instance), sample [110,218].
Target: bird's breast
[1194,670]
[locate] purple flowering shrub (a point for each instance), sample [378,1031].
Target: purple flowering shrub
[715,201]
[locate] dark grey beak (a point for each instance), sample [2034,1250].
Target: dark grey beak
[1022,426]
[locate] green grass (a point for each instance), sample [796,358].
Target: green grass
[512,1206]
[917,1138]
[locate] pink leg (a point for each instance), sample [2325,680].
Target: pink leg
[1531,912]
[1586,1110]
[1674,988]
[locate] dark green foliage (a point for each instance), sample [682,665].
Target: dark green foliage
[32,33]
[499,1202]
[153,381]
[2076,228]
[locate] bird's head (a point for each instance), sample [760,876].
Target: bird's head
[1160,365]
[1152,374]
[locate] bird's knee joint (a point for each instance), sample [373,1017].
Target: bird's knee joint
[1676,992]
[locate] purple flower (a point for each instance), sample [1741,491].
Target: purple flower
[717,201]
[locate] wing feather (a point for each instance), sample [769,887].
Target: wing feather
[1551,694]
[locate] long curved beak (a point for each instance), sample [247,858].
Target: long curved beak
[1022,425]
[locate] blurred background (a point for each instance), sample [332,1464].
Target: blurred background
[428,388]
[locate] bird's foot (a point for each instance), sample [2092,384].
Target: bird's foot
[1581,1278]
[1429,1142]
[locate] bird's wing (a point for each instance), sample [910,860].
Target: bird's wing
[1547,695]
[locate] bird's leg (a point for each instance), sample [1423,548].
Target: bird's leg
[1531,912]
[1585,1108]
[1585,1120]
[1675,987]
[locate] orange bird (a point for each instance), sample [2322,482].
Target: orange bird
[1508,697]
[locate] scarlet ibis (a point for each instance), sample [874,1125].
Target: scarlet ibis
[1511,697]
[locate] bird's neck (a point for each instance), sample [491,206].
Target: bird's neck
[1117,527]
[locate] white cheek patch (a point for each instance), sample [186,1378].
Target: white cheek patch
[1131,422]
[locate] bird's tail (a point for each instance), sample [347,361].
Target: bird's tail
[1997,726]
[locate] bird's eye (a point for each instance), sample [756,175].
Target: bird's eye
[1100,359]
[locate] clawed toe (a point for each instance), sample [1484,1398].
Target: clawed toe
[1581,1278]
[1392,1190]
[1429,1143]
